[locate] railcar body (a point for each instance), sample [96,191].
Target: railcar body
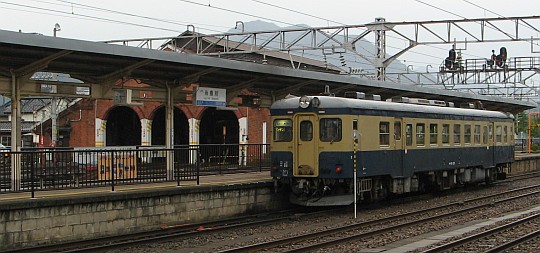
[318,142]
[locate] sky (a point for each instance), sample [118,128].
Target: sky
[101,20]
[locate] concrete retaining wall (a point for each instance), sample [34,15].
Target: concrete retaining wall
[526,163]
[40,221]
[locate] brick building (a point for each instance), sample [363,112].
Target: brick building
[97,123]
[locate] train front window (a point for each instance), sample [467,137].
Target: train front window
[330,130]
[282,130]
[306,130]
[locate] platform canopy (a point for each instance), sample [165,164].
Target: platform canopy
[100,65]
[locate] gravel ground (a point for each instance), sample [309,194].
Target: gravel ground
[225,240]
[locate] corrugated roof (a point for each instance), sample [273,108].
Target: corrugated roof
[26,126]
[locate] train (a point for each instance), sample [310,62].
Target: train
[330,151]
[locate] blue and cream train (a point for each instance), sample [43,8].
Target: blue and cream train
[394,147]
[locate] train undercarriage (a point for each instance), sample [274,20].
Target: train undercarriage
[337,192]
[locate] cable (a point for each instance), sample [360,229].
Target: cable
[88,7]
[295,11]
[241,13]
[88,16]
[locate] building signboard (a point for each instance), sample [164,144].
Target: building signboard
[210,97]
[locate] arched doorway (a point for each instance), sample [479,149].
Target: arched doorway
[123,127]
[181,127]
[219,127]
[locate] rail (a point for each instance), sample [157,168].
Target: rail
[65,168]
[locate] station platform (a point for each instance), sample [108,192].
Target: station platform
[205,181]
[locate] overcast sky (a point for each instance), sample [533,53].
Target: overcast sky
[98,20]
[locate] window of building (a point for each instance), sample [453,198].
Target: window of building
[282,130]
[306,130]
[384,133]
[330,130]
[476,134]
[433,134]
[445,133]
[457,134]
[6,140]
[408,134]
[420,134]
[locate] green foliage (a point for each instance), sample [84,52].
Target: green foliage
[522,121]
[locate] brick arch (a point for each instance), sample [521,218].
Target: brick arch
[109,106]
[124,128]
[181,126]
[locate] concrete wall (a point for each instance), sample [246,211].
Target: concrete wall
[33,222]
[526,163]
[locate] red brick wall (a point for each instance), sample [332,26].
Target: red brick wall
[83,131]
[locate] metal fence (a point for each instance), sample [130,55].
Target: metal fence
[51,169]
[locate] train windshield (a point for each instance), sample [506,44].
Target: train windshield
[330,130]
[282,130]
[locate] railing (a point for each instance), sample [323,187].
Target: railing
[51,169]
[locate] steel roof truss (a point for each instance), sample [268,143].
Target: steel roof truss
[40,64]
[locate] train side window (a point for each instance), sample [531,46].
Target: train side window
[397,130]
[408,134]
[420,134]
[384,133]
[457,134]
[511,134]
[467,134]
[446,134]
[306,130]
[485,135]
[476,134]
[282,130]
[498,134]
[330,130]
[490,132]
[505,134]
[433,134]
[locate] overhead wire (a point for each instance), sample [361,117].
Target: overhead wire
[87,16]
[89,7]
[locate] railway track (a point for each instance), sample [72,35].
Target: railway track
[167,233]
[356,232]
[182,231]
[493,246]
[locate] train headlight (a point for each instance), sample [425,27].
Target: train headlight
[315,102]
[304,102]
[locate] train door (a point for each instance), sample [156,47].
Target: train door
[492,142]
[306,148]
[399,145]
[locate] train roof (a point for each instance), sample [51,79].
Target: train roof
[330,102]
